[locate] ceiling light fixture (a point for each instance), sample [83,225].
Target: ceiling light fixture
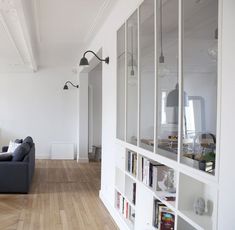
[161,58]
[66,85]
[84,61]
[163,69]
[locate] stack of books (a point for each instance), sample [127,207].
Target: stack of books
[125,208]
[152,173]
[132,162]
[163,218]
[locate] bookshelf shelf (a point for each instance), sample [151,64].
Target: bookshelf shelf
[184,225]
[199,222]
[159,196]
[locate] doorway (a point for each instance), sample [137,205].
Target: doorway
[95,113]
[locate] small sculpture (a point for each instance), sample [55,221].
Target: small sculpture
[199,206]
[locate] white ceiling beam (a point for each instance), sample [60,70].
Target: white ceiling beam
[13,18]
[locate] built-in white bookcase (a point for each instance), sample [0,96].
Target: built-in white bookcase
[168,114]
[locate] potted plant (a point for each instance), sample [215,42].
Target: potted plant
[207,159]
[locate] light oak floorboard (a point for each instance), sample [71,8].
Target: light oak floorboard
[63,196]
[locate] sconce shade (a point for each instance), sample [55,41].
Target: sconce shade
[173,98]
[84,61]
[66,87]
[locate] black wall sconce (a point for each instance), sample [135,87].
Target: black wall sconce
[69,82]
[84,61]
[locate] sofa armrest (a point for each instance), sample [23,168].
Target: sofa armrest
[14,177]
[4,149]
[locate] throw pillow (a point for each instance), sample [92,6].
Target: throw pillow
[12,146]
[19,141]
[6,157]
[20,152]
[29,140]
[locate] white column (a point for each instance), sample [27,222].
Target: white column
[82,149]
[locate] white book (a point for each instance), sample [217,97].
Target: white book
[131,163]
[146,171]
[154,185]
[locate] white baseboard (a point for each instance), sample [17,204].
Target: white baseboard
[43,157]
[113,212]
[82,160]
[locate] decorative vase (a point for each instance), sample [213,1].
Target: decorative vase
[199,206]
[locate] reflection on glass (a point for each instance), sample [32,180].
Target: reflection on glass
[167,78]
[200,83]
[146,42]
[132,80]
[121,83]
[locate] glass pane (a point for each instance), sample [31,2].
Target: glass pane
[146,43]
[200,83]
[121,83]
[132,80]
[167,78]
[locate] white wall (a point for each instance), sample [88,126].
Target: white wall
[227,156]
[35,104]
[95,106]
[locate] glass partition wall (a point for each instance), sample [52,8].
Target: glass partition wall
[200,45]
[147,74]
[167,86]
[167,78]
[121,94]
[132,78]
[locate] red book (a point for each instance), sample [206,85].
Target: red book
[127,209]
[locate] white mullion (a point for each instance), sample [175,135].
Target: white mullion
[219,94]
[180,80]
[155,79]
[138,76]
[125,133]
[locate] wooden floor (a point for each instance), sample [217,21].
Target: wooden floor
[64,195]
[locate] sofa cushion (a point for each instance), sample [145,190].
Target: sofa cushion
[12,146]
[29,140]
[21,152]
[6,157]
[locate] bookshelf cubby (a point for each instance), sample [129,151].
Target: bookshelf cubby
[125,209]
[188,197]
[183,225]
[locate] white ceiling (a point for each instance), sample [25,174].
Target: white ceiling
[59,28]
[66,21]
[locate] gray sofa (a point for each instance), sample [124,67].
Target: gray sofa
[16,175]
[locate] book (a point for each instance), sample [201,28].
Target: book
[128,161]
[157,205]
[134,193]
[123,205]
[155,179]
[166,218]
[126,207]
[134,165]
[146,171]
[131,214]
[118,200]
